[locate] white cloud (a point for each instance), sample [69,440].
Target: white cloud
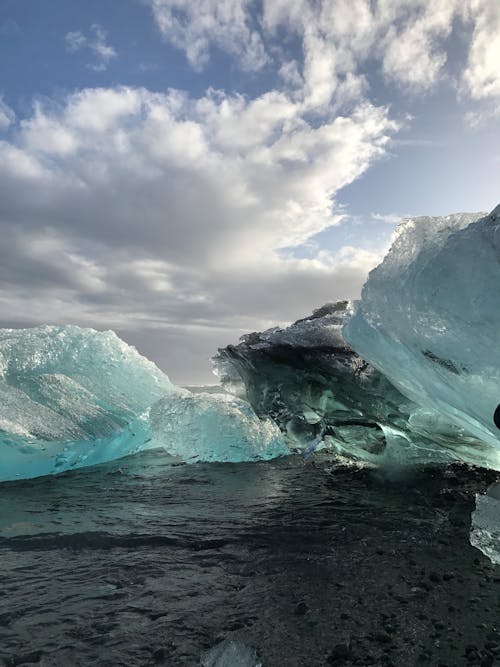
[149,210]
[481,78]
[95,42]
[343,41]
[159,212]
[389,218]
[194,26]
[7,116]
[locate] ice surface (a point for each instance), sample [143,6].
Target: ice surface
[320,392]
[214,427]
[429,320]
[230,653]
[485,528]
[71,397]
[418,379]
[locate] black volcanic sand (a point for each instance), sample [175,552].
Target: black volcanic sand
[145,563]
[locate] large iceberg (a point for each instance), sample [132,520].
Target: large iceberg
[429,320]
[72,397]
[411,373]
[322,394]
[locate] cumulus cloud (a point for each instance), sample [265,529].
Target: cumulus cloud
[7,116]
[195,26]
[173,218]
[343,41]
[95,42]
[131,209]
[481,78]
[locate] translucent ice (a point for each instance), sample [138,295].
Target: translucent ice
[71,397]
[230,653]
[321,393]
[214,427]
[485,528]
[429,320]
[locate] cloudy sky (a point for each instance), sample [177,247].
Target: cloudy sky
[184,171]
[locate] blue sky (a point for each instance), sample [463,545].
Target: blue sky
[183,172]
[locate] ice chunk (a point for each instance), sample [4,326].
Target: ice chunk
[429,320]
[214,427]
[230,653]
[485,528]
[322,394]
[72,397]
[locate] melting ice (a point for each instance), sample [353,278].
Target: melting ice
[429,320]
[72,397]
[411,373]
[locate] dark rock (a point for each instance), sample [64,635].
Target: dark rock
[339,654]
[301,609]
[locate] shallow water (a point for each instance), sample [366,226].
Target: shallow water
[143,562]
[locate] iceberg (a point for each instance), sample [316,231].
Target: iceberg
[410,374]
[429,320]
[322,394]
[73,397]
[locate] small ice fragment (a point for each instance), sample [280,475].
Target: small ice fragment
[485,528]
[311,448]
[230,653]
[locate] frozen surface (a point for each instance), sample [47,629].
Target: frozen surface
[214,427]
[485,528]
[72,397]
[429,320]
[230,653]
[324,395]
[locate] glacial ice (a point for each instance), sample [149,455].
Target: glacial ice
[72,397]
[214,427]
[322,394]
[230,653]
[409,374]
[429,320]
[485,524]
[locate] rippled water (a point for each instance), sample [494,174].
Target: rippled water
[143,562]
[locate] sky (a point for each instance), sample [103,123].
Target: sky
[184,172]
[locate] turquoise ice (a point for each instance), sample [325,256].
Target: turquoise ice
[429,320]
[73,397]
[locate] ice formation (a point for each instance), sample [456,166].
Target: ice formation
[411,373]
[429,320]
[214,427]
[324,395]
[72,397]
[485,528]
[230,653]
